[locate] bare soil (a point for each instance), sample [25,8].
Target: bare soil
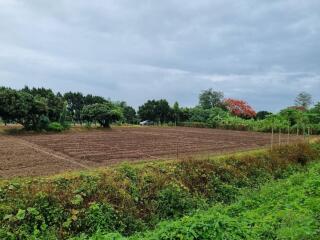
[46,154]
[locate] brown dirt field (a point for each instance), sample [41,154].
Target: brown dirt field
[45,154]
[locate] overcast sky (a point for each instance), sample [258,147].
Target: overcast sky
[262,51]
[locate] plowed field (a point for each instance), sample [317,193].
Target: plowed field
[44,154]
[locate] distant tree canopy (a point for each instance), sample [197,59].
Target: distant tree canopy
[40,108]
[304,100]
[262,115]
[36,108]
[314,114]
[75,104]
[210,99]
[104,113]
[55,102]
[240,108]
[293,115]
[29,107]
[129,113]
[156,110]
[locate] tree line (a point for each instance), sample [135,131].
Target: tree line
[42,109]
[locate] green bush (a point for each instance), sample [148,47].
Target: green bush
[284,209]
[55,127]
[175,201]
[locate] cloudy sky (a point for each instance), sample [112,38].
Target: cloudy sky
[262,51]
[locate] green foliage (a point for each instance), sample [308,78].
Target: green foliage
[295,120]
[29,110]
[76,101]
[134,198]
[262,115]
[99,216]
[36,108]
[54,102]
[284,209]
[104,113]
[175,201]
[156,110]
[210,99]
[129,113]
[75,104]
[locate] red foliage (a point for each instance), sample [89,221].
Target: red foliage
[240,108]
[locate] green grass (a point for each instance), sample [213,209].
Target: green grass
[283,209]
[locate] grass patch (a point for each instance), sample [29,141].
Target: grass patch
[283,209]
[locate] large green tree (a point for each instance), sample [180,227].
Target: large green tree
[55,102]
[176,112]
[91,99]
[314,114]
[129,113]
[156,110]
[262,115]
[24,108]
[75,104]
[76,101]
[104,113]
[210,99]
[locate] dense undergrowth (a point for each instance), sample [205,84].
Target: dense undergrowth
[285,209]
[239,124]
[134,198]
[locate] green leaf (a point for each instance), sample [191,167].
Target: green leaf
[77,200]
[21,214]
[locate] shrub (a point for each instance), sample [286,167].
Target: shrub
[55,127]
[174,201]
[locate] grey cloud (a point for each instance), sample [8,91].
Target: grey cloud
[262,51]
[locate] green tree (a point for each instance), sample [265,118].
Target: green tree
[262,115]
[158,111]
[129,113]
[103,113]
[76,102]
[164,111]
[199,114]
[210,98]
[23,108]
[55,102]
[314,114]
[293,115]
[176,112]
[91,99]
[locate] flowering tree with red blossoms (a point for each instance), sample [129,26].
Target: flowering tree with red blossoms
[240,108]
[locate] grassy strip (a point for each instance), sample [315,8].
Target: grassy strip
[134,198]
[286,209]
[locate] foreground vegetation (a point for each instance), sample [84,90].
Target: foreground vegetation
[283,209]
[135,198]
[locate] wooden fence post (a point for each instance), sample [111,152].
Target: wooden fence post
[177,149]
[279,136]
[272,138]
